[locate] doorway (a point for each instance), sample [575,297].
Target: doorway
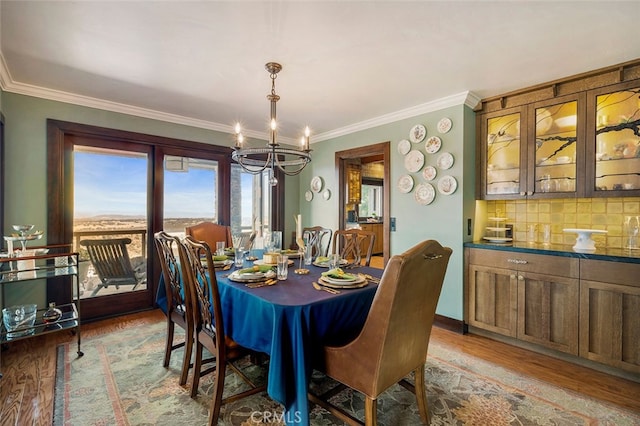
[350,180]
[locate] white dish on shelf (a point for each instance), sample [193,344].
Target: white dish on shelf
[584,243]
[498,219]
[494,229]
[498,239]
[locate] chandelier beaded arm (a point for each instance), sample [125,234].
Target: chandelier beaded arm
[255,160]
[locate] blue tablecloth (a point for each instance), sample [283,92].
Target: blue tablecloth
[290,322]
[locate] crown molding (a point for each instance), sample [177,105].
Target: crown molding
[467,98]
[8,85]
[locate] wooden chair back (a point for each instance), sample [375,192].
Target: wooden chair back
[315,236]
[179,300]
[210,233]
[353,245]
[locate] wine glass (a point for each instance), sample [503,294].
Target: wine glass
[23,229]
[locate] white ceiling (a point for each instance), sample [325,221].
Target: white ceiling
[346,64]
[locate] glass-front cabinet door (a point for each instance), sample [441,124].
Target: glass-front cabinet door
[614,123]
[503,154]
[556,147]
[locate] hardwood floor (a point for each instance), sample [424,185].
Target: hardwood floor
[26,390]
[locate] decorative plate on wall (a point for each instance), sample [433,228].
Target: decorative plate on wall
[308,195]
[414,161]
[429,173]
[445,160]
[424,194]
[326,194]
[447,185]
[316,184]
[405,184]
[417,133]
[444,125]
[433,144]
[404,146]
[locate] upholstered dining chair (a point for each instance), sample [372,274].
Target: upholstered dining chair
[315,236]
[351,244]
[210,233]
[395,337]
[209,327]
[179,300]
[111,261]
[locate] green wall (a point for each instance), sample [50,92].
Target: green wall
[443,220]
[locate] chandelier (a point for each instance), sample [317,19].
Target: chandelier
[290,161]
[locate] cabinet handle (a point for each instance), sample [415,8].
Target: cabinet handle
[513,276]
[529,192]
[520,278]
[522,193]
[517,261]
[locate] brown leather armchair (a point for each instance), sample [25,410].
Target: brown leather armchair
[395,336]
[210,233]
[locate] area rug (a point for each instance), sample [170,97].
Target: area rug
[121,381]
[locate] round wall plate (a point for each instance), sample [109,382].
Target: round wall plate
[308,195]
[326,194]
[316,184]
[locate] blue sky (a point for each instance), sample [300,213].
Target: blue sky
[106,184]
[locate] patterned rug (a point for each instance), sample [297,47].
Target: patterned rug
[120,381]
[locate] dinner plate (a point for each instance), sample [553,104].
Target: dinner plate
[429,173]
[262,262]
[343,262]
[361,282]
[444,125]
[251,277]
[433,144]
[445,160]
[405,184]
[417,133]
[222,263]
[424,194]
[404,146]
[414,161]
[447,185]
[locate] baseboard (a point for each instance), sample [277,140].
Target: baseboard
[457,326]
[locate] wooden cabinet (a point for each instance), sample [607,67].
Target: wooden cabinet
[609,320]
[531,297]
[574,137]
[376,228]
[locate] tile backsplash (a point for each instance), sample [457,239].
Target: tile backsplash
[589,213]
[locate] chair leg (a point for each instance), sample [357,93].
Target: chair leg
[370,411]
[218,389]
[186,360]
[196,370]
[169,344]
[421,394]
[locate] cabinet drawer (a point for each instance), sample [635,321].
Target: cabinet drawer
[610,272]
[526,262]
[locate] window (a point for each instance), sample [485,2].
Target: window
[371,204]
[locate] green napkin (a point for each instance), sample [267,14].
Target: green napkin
[220,258]
[322,259]
[254,269]
[338,274]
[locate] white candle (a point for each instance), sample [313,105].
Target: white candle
[299,227]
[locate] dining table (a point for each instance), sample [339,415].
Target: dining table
[291,321]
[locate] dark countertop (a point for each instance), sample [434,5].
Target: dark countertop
[609,254]
[363,222]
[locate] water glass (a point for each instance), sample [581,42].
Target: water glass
[239,256]
[220,248]
[308,257]
[334,261]
[532,233]
[283,267]
[17,319]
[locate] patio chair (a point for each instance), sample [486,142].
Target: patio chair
[350,244]
[395,337]
[315,236]
[111,261]
[210,233]
[179,301]
[209,327]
